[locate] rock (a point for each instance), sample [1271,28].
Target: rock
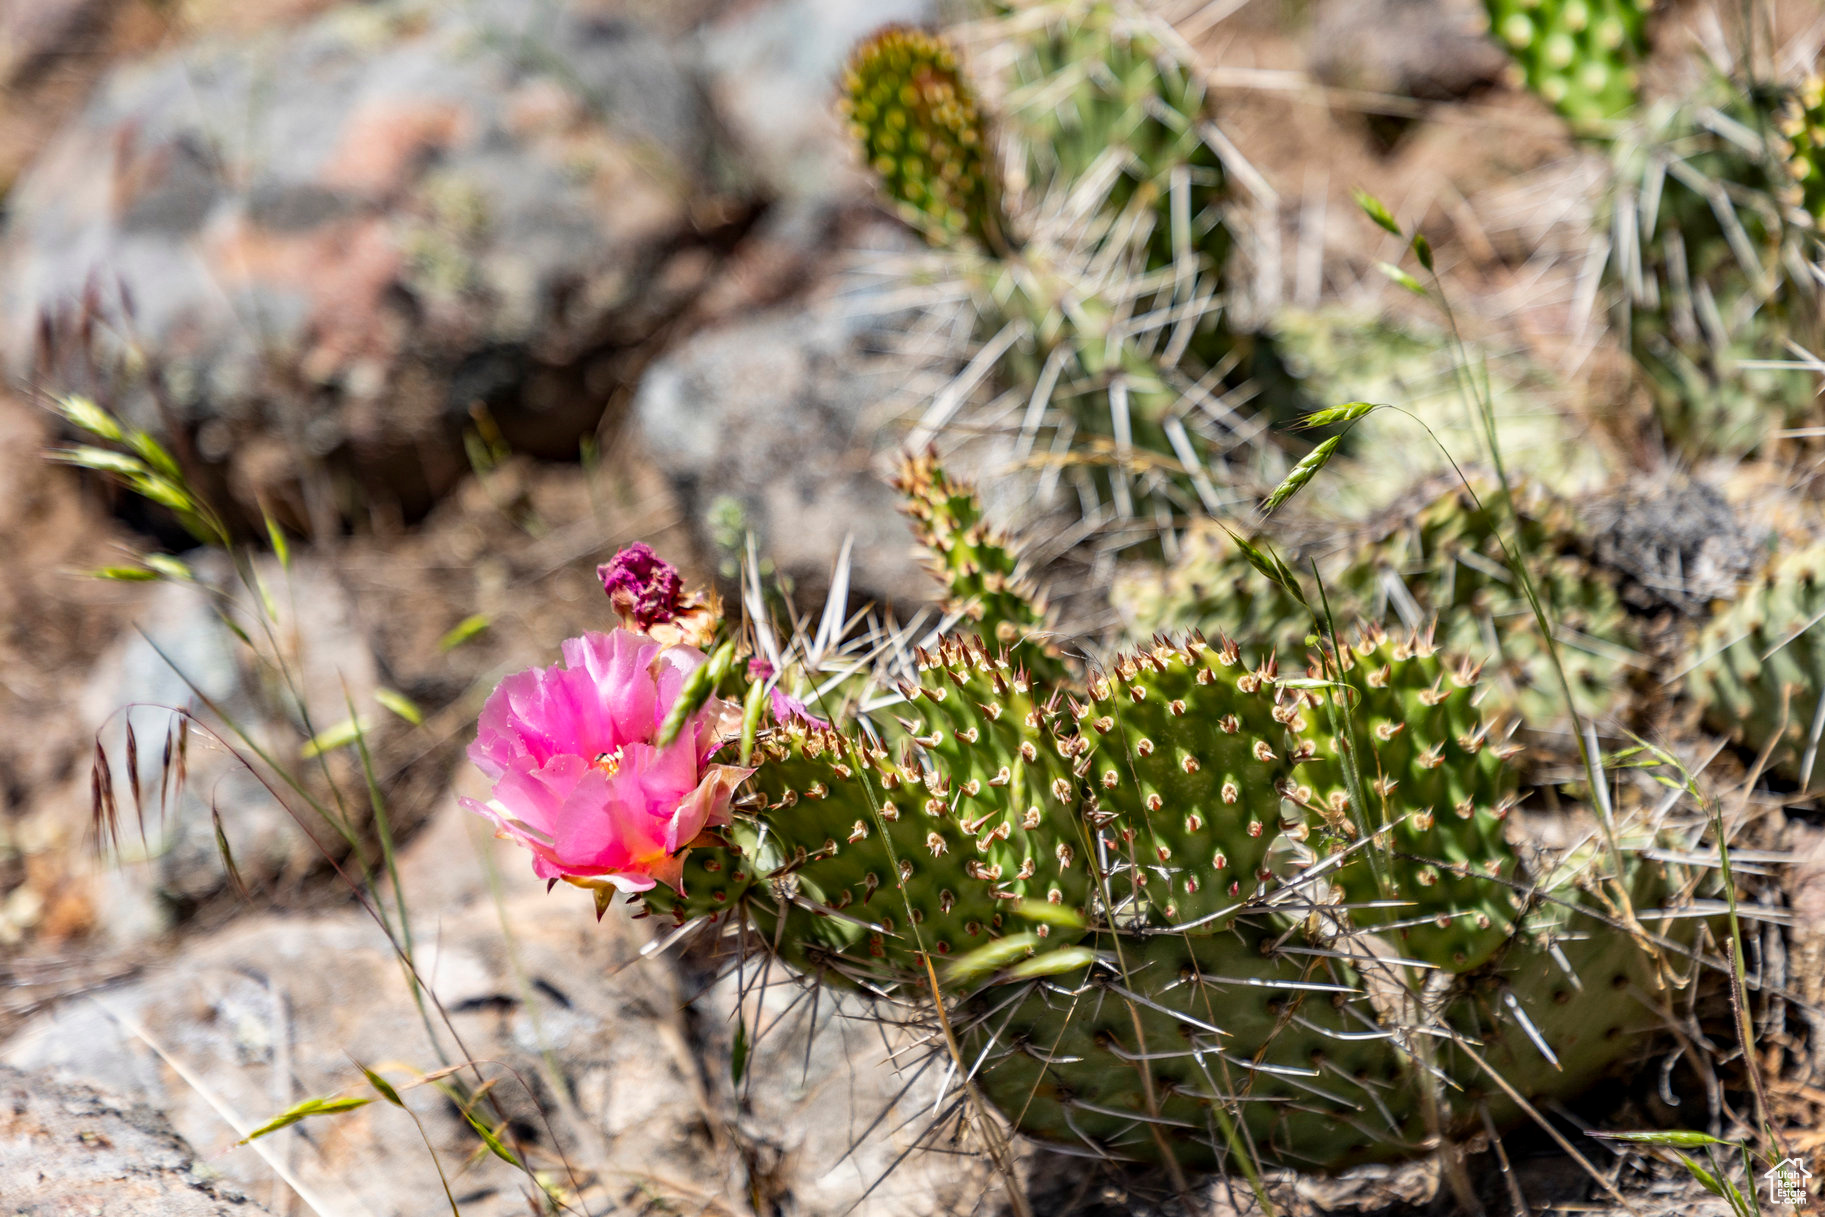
[781,425]
[184,654]
[1434,50]
[1677,542]
[621,1061]
[774,76]
[327,244]
[69,1150]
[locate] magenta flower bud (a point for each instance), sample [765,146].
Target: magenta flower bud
[644,588]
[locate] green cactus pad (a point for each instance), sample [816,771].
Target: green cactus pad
[1438,791]
[1093,84]
[1579,55]
[1717,299]
[1441,562]
[1803,126]
[874,859]
[1574,983]
[916,122]
[1188,754]
[983,577]
[1762,680]
[1194,1044]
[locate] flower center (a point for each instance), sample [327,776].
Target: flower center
[609,762]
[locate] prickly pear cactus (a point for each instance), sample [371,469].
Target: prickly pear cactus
[916,121]
[1189,907]
[985,581]
[1436,873]
[1579,55]
[1803,126]
[1094,88]
[1440,562]
[865,861]
[1186,753]
[1211,585]
[1213,1048]
[1762,678]
[1714,295]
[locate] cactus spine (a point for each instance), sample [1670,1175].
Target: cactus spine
[1068,288]
[1712,279]
[1443,563]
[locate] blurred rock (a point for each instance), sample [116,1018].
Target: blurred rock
[324,246]
[775,70]
[68,1150]
[32,32]
[627,1058]
[1433,50]
[781,425]
[1677,543]
[184,654]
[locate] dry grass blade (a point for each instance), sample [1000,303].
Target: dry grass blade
[222,848]
[139,808]
[104,811]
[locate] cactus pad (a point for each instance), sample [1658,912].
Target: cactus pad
[1803,125]
[1579,55]
[1438,791]
[1763,675]
[916,120]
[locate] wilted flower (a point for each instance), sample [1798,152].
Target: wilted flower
[649,596]
[577,779]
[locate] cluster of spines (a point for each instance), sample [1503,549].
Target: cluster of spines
[1125,95]
[1717,295]
[1579,55]
[916,120]
[1445,561]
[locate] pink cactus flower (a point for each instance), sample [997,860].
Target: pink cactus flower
[577,779]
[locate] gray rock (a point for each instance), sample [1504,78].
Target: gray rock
[774,76]
[327,244]
[184,654]
[783,425]
[1677,542]
[620,1061]
[70,1150]
[1434,50]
